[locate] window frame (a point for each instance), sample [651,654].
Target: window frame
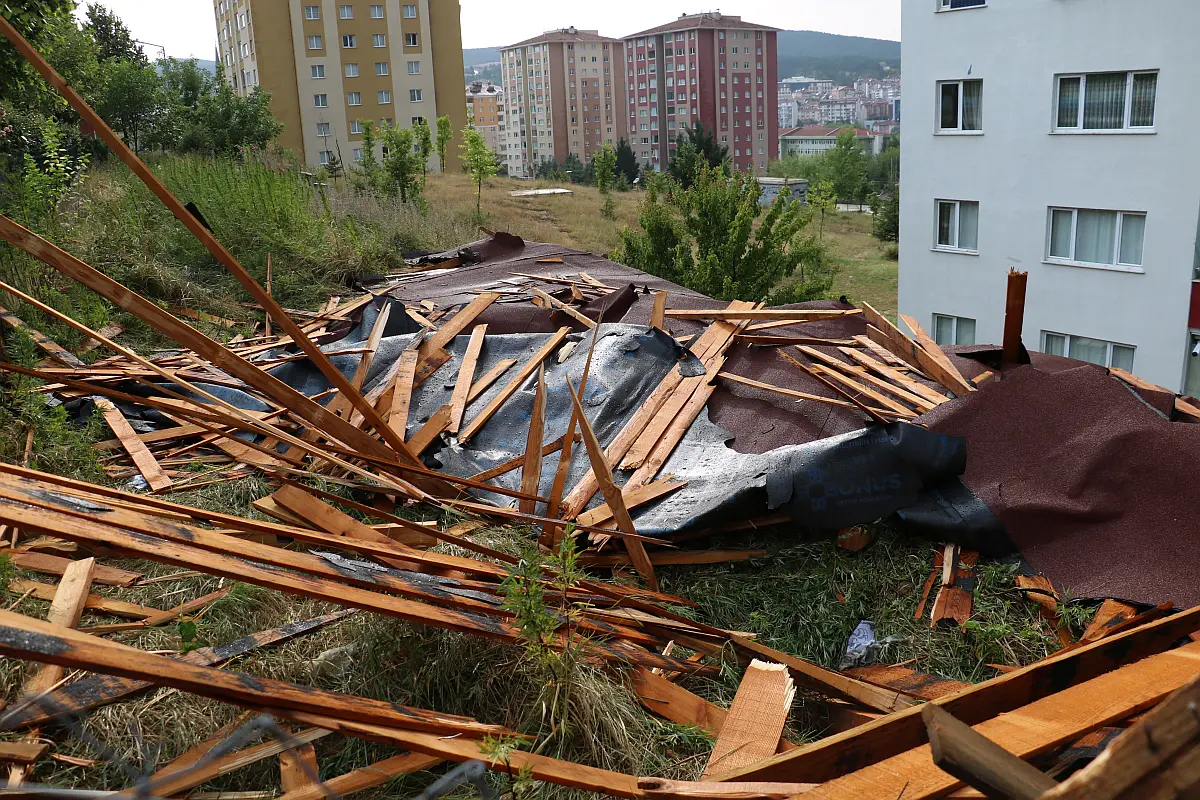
[316,37]
[352,96]
[378,40]
[416,96]
[382,69]
[345,11]
[352,39]
[380,99]
[1118,236]
[381,12]
[322,96]
[404,11]
[349,70]
[1126,128]
[945,5]
[954,321]
[315,68]
[956,227]
[316,12]
[411,71]
[1109,346]
[962,95]
[416,40]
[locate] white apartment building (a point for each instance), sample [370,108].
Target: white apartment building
[1056,137]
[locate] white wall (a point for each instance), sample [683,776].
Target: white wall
[1017,168]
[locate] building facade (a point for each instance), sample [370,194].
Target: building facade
[711,69]
[564,95]
[486,103]
[1055,138]
[812,140]
[330,65]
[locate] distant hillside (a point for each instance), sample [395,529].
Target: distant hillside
[811,53]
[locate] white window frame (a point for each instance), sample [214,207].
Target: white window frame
[376,12]
[350,70]
[324,156]
[323,129]
[958,131]
[317,40]
[416,40]
[349,41]
[1126,127]
[416,71]
[345,11]
[1067,337]
[954,326]
[318,72]
[354,98]
[384,97]
[312,12]
[320,101]
[382,69]
[956,227]
[405,11]
[378,40]
[1117,265]
[356,126]
[416,96]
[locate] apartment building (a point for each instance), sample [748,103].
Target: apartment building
[330,65]
[486,103]
[564,95]
[712,69]
[1058,138]
[812,140]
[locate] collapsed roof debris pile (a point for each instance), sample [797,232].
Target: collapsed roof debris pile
[517,383]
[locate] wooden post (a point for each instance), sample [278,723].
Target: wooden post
[267,326]
[1014,315]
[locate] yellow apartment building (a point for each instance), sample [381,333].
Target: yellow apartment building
[330,65]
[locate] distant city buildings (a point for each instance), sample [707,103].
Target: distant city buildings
[486,103]
[872,103]
[812,140]
[1054,138]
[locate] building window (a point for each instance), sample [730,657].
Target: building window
[414,96]
[414,68]
[312,12]
[353,98]
[1090,236]
[314,43]
[352,70]
[381,68]
[318,71]
[376,12]
[356,126]
[410,40]
[325,156]
[960,106]
[346,12]
[384,96]
[953,5]
[410,12]
[1106,101]
[357,152]
[1095,351]
[322,129]
[953,330]
[957,225]
[379,40]
[320,101]
[349,40]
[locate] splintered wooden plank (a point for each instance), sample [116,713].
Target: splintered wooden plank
[435,426]
[161,616]
[861,373]
[57,565]
[298,768]
[1157,758]
[402,392]
[24,753]
[756,718]
[510,389]
[932,348]
[44,342]
[638,497]
[65,610]
[340,404]
[664,789]
[612,494]
[673,702]
[895,733]
[48,643]
[799,315]
[466,374]
[662,558]
[884,333]
[106,605]
[1041,592]
[979,762]
[658,313]
[816,398]
[1030,730]
[570,311]
[1110,614]
[95,691]
[433,353]
[145,461]
[871,412]
[902,380]
[365,778]
[171,780]
[531,470]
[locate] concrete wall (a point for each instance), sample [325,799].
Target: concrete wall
[1017,168]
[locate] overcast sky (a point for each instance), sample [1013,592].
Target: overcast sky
[186,28]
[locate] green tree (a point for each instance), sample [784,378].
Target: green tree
[480,162]
[424,141]
[445,131]
[573,167]
[885,206]
[627,163]
[846,165]
[823,200]
[113,39]
[132,100]
[368,168]
[231,124]
[695,145]
[183,86]
[38,22]
[718,239]
[810,167]
[605,167]
[401,166]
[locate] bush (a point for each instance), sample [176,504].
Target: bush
[891,252]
